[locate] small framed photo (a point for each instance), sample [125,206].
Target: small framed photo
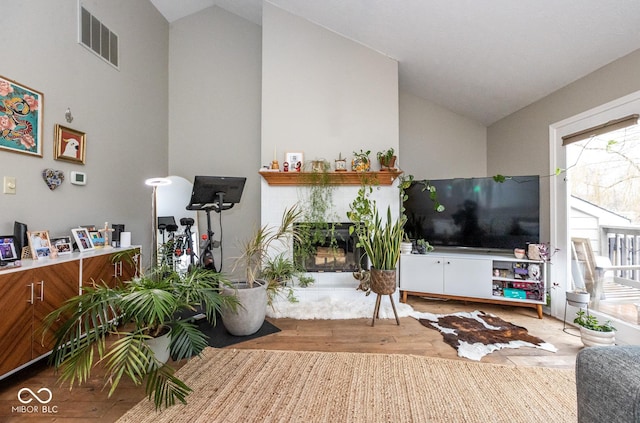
[295,161]
[83,239]
[69,144]
[62,244]
[21,118]
[8,248]
[39,244]
[97,238]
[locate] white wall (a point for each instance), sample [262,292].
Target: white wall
[437,143]
[214,113]
[519,143]
[323,94]
[123,113]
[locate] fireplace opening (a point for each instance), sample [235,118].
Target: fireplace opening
[328,247]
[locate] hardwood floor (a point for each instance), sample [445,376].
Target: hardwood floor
[89,402]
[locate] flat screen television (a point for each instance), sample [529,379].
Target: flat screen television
[480,213]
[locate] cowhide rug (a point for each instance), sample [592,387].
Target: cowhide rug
[477,334]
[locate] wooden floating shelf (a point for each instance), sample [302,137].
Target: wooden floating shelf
[335,178]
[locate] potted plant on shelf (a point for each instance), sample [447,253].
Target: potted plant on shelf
[248,317]
[360,161]
[423,246]
[387,159]
[592,332]
[117,327]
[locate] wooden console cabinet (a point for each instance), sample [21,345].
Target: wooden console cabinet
[488,278]
[29,293]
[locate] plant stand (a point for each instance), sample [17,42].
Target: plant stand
[383,282]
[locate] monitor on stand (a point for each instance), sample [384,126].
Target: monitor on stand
[215,193]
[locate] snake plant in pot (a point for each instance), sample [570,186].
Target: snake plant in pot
[380,237]
[113,328]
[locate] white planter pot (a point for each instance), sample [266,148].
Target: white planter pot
[406,247]
[578,298]
[160,346]
[593,338]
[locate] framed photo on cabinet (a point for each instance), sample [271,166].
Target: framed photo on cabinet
[83,239]
[39,244]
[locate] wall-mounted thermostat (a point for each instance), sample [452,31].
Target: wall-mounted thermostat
[78,178]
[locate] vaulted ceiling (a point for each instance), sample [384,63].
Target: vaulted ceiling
[483,59]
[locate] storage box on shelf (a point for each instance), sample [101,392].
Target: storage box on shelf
[30,292]
[489,278]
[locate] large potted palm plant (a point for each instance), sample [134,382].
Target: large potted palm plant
[115,327]
[252,294]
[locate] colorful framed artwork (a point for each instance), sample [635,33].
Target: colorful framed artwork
[83,239]
[295,161]
[39,244]
[8,248]
[69,144]
[97,238]
[62,244]
[21,117]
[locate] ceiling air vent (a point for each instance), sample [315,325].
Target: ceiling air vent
[98,38]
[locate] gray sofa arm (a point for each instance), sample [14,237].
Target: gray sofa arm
[608,384]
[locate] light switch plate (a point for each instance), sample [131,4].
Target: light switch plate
[9,185]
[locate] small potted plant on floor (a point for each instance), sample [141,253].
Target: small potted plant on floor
[592,332]
[116,329]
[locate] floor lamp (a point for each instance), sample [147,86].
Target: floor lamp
[155,183]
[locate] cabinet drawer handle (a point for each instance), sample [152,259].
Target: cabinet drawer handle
[41,283]
[30,286]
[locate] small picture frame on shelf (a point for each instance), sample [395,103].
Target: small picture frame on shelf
[62,244]
[295,161]
[39,243]
[83,239]
[8,248]
[97,238]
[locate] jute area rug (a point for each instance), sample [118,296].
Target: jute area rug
[289,386]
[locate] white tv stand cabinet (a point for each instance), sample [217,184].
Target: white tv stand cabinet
[470,276]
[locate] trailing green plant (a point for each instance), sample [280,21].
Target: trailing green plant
[404,183]
[110,326]
[591,322]
[317,223]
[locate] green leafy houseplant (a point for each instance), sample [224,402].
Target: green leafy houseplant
[386,158]
[379,237]
[591,322]
[111,327]
[252,292]
[360,161]
[256,250]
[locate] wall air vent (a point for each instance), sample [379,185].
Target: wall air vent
[97,37]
